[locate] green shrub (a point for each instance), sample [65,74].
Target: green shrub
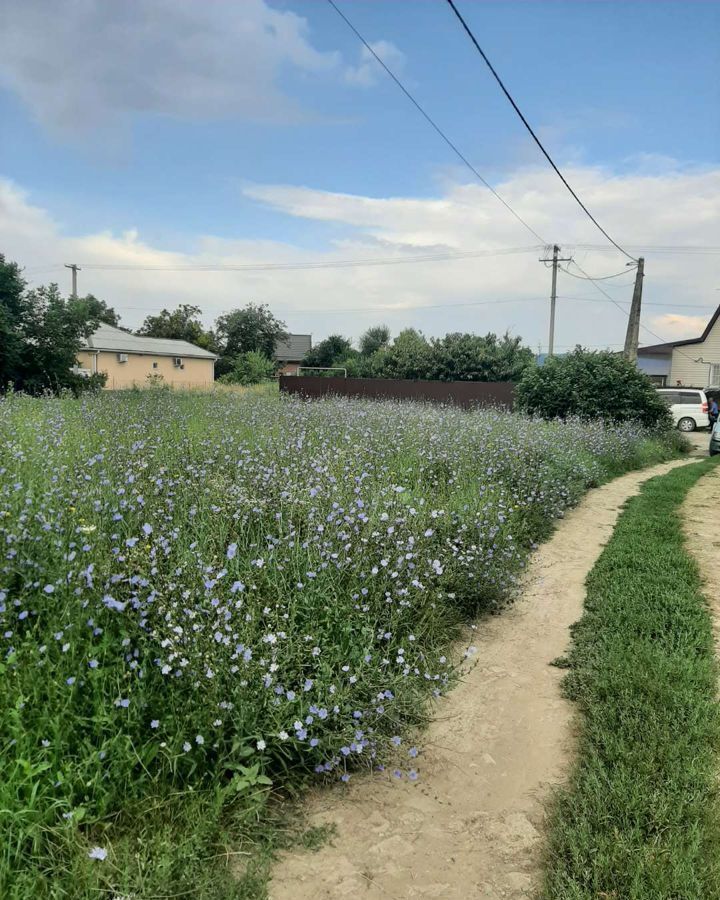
[593,385]
[249,368]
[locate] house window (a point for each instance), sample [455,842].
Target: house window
[155,365]
[715,375]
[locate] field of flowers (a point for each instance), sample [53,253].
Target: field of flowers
[206,599]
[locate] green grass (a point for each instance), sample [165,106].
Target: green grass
[640,818]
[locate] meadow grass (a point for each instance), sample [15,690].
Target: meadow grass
[640,818]
[207,600]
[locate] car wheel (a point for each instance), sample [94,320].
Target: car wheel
[686,424]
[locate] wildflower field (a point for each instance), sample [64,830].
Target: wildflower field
[207,600]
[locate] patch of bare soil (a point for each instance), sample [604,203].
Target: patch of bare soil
[700,512]
[471,826]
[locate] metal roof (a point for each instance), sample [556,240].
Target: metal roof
[106,337]
[294,348]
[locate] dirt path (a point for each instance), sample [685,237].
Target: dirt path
[470,826]
[703,538]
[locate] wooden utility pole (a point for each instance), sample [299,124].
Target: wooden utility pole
[75,269]
[632,336]
[553,293]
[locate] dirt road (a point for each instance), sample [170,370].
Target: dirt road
[471,825]
[700,512]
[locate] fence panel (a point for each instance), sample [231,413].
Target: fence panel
[459,393]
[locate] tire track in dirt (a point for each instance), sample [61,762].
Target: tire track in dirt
[471,826]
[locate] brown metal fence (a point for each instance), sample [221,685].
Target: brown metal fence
[459,393]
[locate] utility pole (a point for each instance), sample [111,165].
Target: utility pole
[632,336]
[75,269]
[553,293]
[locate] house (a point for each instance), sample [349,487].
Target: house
[291,352]
[130,360]
[689,363]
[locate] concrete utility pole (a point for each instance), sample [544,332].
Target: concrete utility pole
[75,269]
[632,336]
[553,293]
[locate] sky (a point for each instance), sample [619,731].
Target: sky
[170,135]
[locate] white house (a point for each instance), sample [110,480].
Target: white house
[690,363]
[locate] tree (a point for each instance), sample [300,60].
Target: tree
[14,310]
[328,352]
[409,356]
[593,385]
[182,324]
[249,368]
[251,328]
[96,310]
[41,334]
[375,338]
[470,357]
[52,336]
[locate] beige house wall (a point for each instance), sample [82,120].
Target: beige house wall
[688,372]
[196,372]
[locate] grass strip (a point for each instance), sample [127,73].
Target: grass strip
[640,816]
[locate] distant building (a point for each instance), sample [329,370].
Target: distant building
[292,352]
[689,363]
[130,360]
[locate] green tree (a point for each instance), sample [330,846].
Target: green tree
[182,324]
[51,336]
[328,352]
[41,334]
[14,311]
[251,328]
[593,385]
[472,357]
[96,310]
[249,368]
[375,338]
[409,356]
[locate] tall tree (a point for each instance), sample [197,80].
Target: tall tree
[14,310]
[182,324]
[375,338]
[41,334]
[409,356]
[97,310]
[251,328]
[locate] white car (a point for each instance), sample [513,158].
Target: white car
[689,407]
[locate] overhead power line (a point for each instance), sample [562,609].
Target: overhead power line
[626,313]
[529,128]
[434,124]
[596,277]
[670,248]
[326,264]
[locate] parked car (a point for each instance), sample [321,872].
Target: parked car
[689,407]
[715,440]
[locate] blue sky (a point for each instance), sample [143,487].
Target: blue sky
[257,132]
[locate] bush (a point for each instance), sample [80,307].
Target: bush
[249,368]
[592,385]
[86,384]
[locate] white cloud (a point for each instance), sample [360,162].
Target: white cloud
[78,64]
[677,327]
[369,70]
[489,293]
